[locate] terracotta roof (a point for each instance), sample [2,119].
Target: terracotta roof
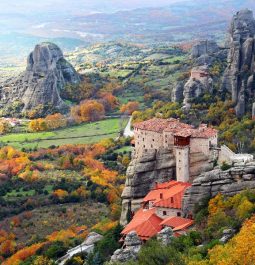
[146,224]
[177,223]
[169,197]
[155,124]
[165,185]
[176,127]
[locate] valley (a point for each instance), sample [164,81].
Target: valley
[127,132]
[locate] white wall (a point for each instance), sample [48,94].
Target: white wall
[169,212]
[182,163]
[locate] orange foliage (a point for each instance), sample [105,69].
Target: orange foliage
[130,107]
[109,101]
[105,225]
[63,235]
[23,254]
[89,110]
[15,221]
[60,194]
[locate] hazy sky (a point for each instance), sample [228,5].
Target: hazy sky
[72,6]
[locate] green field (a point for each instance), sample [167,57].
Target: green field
[81,134]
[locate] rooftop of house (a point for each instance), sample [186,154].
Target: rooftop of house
[146,224]
[176,127]
[167,195]
[177,223]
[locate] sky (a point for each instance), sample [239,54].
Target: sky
[72,6]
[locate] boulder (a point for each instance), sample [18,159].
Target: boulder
[165,236]
[41,84]
[130,249]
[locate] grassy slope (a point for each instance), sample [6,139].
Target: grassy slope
[84,133]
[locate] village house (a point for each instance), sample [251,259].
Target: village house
[161,207]
[199,73]
[185,141]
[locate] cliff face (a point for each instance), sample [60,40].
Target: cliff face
[46,75]
[154,166]
[230,182]
[239,75]
[203,54]
[142,174]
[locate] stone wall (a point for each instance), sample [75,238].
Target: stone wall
[146,140]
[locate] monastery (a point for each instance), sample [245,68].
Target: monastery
[162,206]
[183,139]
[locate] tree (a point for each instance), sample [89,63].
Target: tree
[130,107]
[5,127]
[41,260]
[89,110]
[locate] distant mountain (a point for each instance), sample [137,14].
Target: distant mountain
[81,22]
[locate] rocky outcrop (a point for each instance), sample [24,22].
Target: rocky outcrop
[239,75]
[130,249]
[204,47]
[86,247]
[142,174]
[196,85]
[177,93]
[227,234]
[46,75]
[165,236]
[204,54]
[230,182]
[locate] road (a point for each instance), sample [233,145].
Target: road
[128,131]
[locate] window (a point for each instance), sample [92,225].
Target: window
[179,214]
[153,140]
[151,146]
[172,200]
[161,195]
[164,213]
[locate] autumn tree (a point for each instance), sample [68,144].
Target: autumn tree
[89,110]
[130,107]
[5,127]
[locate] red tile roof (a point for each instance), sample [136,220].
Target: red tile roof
[177,223]
[176,127]
[146,224]
[169,197]
[165,184]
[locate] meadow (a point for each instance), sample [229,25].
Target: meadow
[81,134]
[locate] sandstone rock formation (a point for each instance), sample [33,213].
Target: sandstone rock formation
[86,247]
[165,236]
[131,247]
[204,54]
[177,93]
[204,47]
[230,182]
[196,86]
[142,174]
[239,75]
[47,73]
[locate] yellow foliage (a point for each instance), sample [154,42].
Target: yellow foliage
[240,250]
